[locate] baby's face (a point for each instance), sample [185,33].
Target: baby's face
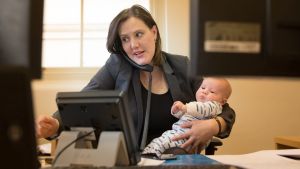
[211,89]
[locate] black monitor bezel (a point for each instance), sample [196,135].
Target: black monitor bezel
[77,108]
[21,35]
[17,120]
[36,38]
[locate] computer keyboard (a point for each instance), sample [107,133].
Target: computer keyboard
[213,166]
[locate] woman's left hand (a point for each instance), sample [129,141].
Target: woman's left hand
[201,131]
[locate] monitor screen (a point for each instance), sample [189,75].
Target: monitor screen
[21,23]
[245,38]
[102,110]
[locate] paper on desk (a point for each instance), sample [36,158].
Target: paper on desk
[266,159]
[151,162]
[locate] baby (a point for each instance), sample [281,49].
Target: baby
[212,94]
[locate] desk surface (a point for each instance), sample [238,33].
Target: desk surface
[194,161]
[215,166]
[266,159]
[283,142]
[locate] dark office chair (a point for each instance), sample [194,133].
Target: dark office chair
[213,146]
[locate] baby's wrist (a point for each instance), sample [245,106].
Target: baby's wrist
[178,114]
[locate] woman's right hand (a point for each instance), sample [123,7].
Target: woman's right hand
[201,131]
[46,126]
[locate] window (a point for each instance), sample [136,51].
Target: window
[75,31]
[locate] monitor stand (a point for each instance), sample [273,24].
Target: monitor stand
[111,150]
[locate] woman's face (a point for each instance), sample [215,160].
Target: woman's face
[138,41]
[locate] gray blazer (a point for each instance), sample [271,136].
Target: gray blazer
[119,74]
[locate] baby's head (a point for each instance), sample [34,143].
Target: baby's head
[214,89]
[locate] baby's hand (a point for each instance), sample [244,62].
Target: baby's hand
[178,109]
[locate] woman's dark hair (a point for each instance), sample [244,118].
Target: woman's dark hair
[114,44]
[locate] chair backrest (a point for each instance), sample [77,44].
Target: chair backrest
[212,147]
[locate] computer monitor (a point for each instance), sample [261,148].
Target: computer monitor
[21,25]
[102,110]
[245,38]
[20,61]
[17,140]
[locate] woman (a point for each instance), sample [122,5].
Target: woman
[134,34]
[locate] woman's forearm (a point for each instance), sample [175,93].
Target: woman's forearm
[227,119]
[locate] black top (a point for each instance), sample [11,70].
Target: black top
[160,118]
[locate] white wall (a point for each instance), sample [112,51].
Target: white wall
[176,30]
[265,107]
[57,80]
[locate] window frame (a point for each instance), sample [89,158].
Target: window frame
[157,8]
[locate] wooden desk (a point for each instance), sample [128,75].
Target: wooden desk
[287,142]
